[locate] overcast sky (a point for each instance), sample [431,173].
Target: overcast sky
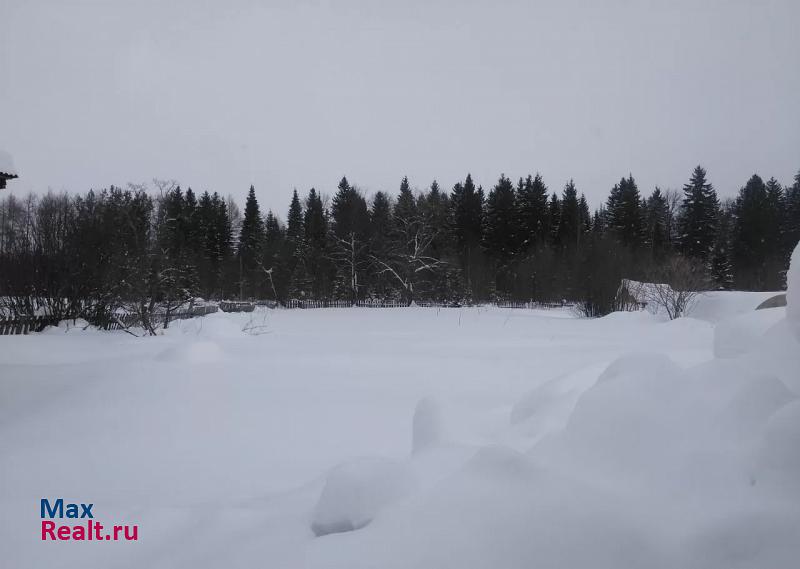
[219,95]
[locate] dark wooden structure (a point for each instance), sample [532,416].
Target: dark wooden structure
[4,176]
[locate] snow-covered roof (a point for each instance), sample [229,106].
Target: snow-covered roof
[7,164]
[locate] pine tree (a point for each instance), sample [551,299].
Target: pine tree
[350,232]
[624,207]
[466,203]
[317,254]
[657,223]
[251,242]
[274,270]
[698,217]
[791,220]
[501,233]
[570,225]
[554,218]
[532,208]
[585,216]
[749,249]
[435,210]
[721,268]
[294,221]
[406,206]
[775,265]
[380,219]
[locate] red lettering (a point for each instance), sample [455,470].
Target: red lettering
[47,528]
[64,532]
[79,533]
[134,533]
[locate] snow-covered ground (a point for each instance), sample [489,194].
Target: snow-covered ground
[464,438]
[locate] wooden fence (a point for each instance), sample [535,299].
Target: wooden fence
[295,303]
[125,321]
[37,324]
[13,326]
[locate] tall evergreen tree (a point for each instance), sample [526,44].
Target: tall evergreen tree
[532,207]
[466,203]
[380,218]
[657,223]
[721,268]
[251,241]
[350,234]
[698,216]
[749,249]
[624,207]
[501,232]
[294,221]
[791,219]
[570,227]
[554,218]
[406,206]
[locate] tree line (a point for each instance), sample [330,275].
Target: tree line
[96,254]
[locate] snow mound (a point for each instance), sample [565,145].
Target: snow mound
[778,452]
[218,325]
[203,352]
[740,334]
[426,425]
[793,292]
[751,406]
[714,306]
[356,491]
[628,419]
[637,364]
[499,463]
[548,407]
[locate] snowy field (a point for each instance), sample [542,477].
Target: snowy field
[463,438]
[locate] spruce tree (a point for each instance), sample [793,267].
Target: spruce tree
[317,252]
[532,209]
[251,242]
[466,204]
[791,219]
[721,268]
[749,249]
[350,231]
[624,207]
[570,226]
[406,206]
[294,220]
[554,218]
[657,223]
[698,216]
[501,232]
[380,218]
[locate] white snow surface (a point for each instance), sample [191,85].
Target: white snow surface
[7,163]
[617,442]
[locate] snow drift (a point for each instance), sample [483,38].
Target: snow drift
[620,442]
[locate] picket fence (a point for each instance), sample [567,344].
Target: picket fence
[295,303]
[12,326]
[126,321]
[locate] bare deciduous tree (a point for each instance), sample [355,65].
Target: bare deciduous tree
[674,288]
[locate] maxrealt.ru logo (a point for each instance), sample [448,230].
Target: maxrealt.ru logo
[88,530]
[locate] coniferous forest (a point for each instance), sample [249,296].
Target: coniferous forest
[89,255]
